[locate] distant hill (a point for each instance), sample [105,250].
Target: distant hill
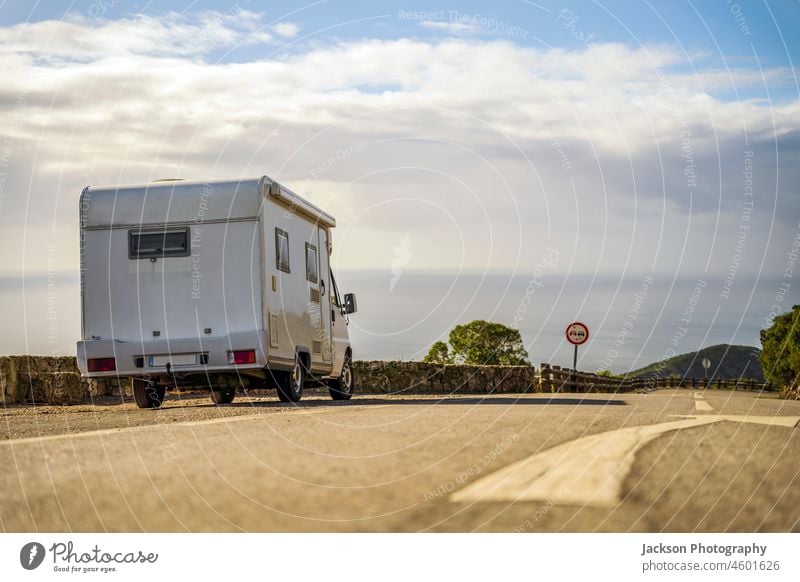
[726,362]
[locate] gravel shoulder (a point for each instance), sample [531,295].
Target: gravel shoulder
[19,421]
[26,421]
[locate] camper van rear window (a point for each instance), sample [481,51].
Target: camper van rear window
[143,244]
[282,250]
[311,263]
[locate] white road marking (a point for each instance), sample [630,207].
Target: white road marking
[588,470]
[700,404]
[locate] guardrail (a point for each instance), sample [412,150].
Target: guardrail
[558,379]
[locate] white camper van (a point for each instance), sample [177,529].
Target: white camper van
[214,284]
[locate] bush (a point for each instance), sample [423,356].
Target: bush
[780,349]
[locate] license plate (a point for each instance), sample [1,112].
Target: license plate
[176,360]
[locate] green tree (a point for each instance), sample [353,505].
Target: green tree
[480,343]
[438,354]
[780,349]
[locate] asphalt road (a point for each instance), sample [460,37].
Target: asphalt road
[663,461]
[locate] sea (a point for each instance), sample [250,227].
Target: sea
[634,319]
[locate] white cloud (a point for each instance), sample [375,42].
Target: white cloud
[286,29]
[451,27]
[168,35]
[502,146]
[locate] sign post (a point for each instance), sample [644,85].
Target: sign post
[577,334]
[706,365]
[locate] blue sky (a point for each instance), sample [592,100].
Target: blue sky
[712,34]
[634,138]
[705,26]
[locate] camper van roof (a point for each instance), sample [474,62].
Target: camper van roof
[177,201]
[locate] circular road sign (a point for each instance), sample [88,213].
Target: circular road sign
[577,333]
[706,363]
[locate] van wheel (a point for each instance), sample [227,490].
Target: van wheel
[342,387]
[148,394]
[290,385]
[223,396]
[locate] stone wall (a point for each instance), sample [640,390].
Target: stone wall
[56,380]
[378,377]
[49,380]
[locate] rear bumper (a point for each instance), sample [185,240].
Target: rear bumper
[133,358]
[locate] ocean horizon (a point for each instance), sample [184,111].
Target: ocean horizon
[634,320]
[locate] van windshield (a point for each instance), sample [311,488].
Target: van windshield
[335,298]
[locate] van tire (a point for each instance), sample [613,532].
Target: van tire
[147,394]
[342,387]
[290,384]
[223,396]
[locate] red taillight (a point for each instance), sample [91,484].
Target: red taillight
[239,357]
[102,364]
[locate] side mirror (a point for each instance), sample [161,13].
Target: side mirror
[349,303]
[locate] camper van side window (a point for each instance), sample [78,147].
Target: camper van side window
[311,263]
[282,250]
[156,244]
